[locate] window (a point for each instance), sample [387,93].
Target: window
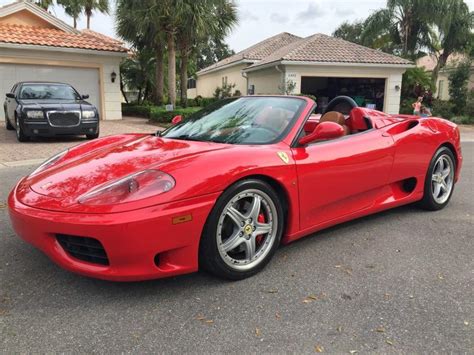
[48,92]
[191,83]
[224,81]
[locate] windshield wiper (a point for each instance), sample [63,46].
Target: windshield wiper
[187,137]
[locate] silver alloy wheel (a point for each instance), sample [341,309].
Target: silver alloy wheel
[442,180]
[247,229]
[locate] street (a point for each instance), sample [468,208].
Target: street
[398,281]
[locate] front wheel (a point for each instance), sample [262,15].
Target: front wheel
[439,182]
[20,135]
[243,230]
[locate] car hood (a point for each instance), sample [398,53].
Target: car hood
[71,178]
[55,105]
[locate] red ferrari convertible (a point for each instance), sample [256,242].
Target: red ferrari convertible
[222,189]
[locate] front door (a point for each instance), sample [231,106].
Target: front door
[341,176]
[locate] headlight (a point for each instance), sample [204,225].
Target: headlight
[88,114]
[133,187]
[51,161]
[35,114]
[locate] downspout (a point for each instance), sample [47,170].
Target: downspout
[244,74]
[282,79]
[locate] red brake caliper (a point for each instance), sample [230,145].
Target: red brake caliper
[260,219]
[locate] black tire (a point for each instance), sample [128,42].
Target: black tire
[8,125]
[20,135]
[210,258]
[429,202]
[92,136]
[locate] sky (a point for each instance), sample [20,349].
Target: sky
[260,19]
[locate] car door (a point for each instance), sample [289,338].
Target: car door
[342,176]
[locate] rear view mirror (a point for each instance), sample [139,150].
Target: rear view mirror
[323,131]
[85,97]
[177,119]
[10,95]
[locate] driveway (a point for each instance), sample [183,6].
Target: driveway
[401,281]
[13,153]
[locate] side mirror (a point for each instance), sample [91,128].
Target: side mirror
[177,119]
[85,97]
[10,95]
[323,131]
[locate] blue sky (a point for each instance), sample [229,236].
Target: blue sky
[260,19]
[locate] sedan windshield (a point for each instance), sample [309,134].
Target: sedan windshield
[246,120]
[48,92]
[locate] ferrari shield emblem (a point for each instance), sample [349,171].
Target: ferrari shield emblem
[283,156]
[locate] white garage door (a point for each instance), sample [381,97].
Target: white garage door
[84,80]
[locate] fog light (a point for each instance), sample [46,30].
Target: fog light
[91,129]
[35,131]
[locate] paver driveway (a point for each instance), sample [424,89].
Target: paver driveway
[41,148]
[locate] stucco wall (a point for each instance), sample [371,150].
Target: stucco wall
[442,89]
[206,84]
[25,17]
[111,97]
[270,78]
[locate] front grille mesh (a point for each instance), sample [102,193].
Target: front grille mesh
[64,119]
[84,248]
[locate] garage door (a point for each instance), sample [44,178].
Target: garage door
[85,80]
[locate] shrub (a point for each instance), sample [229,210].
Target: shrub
[469,110]
[405,107]
[206,101]
[160,115]
[463,119]
[136,110]
[312,97]
[443,109]
[458,91]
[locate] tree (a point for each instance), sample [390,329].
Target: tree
[45,4]
[89,6]
[453,31]
[73,8]
[200,20]
[351,32]
[403,27]
[458,90]
[137,72]
[211,51]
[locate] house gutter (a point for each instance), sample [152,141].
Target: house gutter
[204,71]
[63,49]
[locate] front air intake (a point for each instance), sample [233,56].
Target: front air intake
[84,248]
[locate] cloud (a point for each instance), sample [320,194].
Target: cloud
[279,18]
[313,12]
[343,12]
[246,15]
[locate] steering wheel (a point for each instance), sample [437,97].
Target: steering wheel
[340,100]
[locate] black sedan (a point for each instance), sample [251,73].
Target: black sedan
[40,109]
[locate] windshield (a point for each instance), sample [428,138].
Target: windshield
[48,92]
[246,120]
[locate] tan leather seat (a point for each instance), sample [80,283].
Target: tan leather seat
[336,117]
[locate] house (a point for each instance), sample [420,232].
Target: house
[35,45]
[318,65]
[442,84]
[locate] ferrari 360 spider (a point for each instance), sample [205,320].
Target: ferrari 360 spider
[223,188]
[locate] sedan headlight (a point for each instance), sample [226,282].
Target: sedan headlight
[48,163]
[88,114]
[35,114]
[146,183]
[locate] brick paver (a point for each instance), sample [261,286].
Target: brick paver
[13,151]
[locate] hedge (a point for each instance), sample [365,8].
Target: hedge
[159,114]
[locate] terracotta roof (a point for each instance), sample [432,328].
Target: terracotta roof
[258,51]
[321,48]
[20,34]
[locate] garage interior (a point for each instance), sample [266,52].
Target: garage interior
[366,92]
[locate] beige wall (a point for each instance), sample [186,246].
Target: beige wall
[206,84]
[442,86]
[26,18]
[270,78]
[111,96]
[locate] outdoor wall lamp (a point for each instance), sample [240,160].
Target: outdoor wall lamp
[113,76]
[397,87]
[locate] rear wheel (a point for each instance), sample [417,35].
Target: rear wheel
[439,182]
[8,125]
[243,230]
[20,135]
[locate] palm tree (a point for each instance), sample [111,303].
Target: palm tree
[453,31]
[137,73]
[90,6]
[402,27]
[45,4]
[200,20]
[73,8]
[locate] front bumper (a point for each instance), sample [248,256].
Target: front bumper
[131,239]
[44,129]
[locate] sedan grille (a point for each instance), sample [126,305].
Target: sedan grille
[64,118]
[83,248]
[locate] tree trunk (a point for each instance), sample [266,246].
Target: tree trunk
[159,74]
[88,22]
[171,69]
[122,88]
[75,22]
[442,60]
[139,96]
[183,77]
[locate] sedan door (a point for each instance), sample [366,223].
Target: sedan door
[342,176]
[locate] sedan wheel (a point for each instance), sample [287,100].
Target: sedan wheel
[8,125]
[439,183]
[243,230]
[19,131]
